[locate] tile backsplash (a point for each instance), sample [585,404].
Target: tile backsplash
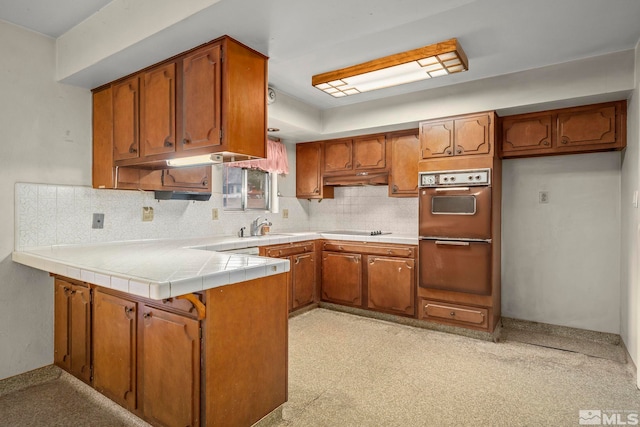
[365,208]
[60,214]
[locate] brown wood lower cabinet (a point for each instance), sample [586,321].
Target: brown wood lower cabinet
[342,278]
[115,333]
[374,276]
[391,284]
[302,271]
[200,360]
[72,341]
[170,368]
[147,359]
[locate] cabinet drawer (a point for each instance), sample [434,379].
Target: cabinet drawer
[450,313]
[399,251]
[287,250]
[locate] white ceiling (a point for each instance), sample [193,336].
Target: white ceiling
[307,37]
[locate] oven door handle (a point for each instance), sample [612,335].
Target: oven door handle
[451,243]
[452,189]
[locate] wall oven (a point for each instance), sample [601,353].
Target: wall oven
[455,230]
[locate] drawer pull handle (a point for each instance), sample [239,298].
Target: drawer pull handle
[451,243]
[453,313]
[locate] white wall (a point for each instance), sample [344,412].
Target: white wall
[560,261]
[46,137]
[630,273]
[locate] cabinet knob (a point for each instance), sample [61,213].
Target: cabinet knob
[316,190]
[453,313]
[128,310]
[394,189]
[132,150]
[205,182]
[186,141]
[545,143]
[146,315]
[168,144]
[565,140]
[448,152]
[459,151]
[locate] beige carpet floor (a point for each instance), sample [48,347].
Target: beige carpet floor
[346,370]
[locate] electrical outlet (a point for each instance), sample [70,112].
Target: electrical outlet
[98,220]
[634,202]
[285,213]
[214,214]
[147,213]
[543,197]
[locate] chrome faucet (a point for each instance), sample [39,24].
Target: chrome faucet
[256,229]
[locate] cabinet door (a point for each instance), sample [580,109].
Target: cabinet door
[303,279]
[126,100]
[61,346]
[338,156]
[72,329]
[170,377]
[527,134]
[473,135]
[587,126]
[436,138]
[405,153]
[391,284]
[80,332]
[309,172]
[200,113]
[342,278]
[114,348]
[370,153]
[192,178]
[157,111]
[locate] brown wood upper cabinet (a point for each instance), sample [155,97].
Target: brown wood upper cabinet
[589,128]
[309,157]
[211,99]
[471,134]
[361,153]
[405,153]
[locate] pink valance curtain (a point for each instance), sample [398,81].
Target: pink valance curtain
[276,160]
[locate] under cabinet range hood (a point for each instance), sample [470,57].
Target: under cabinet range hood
[181,195]
[358,178]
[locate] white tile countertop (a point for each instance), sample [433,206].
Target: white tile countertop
[168,268]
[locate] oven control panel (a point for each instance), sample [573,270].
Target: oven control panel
[465,177]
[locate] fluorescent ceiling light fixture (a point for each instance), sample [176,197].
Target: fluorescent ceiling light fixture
[423,63]
[206,159]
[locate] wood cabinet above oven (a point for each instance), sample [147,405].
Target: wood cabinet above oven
[467,135]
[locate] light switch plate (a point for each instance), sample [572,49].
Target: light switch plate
[214,214]
[147,213]
[635,199]
[285,213]
[98,220]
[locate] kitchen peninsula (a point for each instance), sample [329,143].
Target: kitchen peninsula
[173,330]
